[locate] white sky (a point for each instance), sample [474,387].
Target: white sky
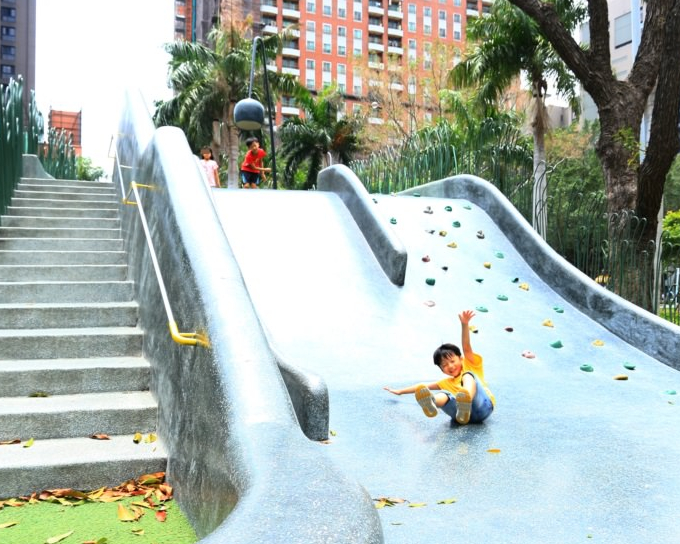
[89,51]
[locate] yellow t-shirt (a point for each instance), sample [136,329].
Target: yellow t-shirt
[454,385]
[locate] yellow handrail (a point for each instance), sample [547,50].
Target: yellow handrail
[184,338]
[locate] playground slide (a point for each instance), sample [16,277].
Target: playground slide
[583,443]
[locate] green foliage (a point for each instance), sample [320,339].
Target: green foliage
[86,171]
[671,227]
[671,192]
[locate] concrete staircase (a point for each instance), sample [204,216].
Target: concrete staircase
[70,348]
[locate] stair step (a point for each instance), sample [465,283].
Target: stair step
[36,257]
[47,182]
[77,463]
[72,376]
[19,211]
[66,291]
[34,232]
[63,316]
[61,244]
[39,272]
[24,221]
[70,343]
[70,416]
[56,188]
[66,197]
[93,203]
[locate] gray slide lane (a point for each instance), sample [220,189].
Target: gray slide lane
[568,456]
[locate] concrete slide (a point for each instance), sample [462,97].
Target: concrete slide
[568,456]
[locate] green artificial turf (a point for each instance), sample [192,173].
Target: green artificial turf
[92,521]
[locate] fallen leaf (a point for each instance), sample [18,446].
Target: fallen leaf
[10,442]
[143,505]
[161,515]
[8,524]
[101,436]
[417,504]
[138,532]
[58,538]
[333,433]
[39,394]
[493,450]
[102,540]
[137,438]
[447,501]
[29,443]
[151,437]
[124,514]
[381,502]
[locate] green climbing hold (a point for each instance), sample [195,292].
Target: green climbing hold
[558,309]
[502,297]
[629,366]
[467,207]
[429,281]
[456,224]
[671,392]
[514,280]
[587,368]
[481,309]
[479,280]
[393,221]
[499,254]
[416,194]
[557,344]
[448,208]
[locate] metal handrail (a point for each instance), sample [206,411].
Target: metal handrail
[184,338]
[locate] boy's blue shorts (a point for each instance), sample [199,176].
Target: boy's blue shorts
[481,404]
[250,178]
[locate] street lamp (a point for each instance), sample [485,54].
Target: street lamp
[249,113]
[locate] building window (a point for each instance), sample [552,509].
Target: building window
[311,27]
[342,9]
[9,15]
[342,31]
[311,6]
[311,45]
[327,48]
[342,69]
[456,17]
[327,29]
[457,3]
[327,8]
[326,66]
[456,35]
[342,50]
[427,12]
[310,64]
[9,52]
[427,30]
[7,70]
[412,8]
[9,33]
[311,84]
[357,89]
[442,32]
[622,30]
[342,88]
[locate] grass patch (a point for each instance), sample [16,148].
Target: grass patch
[670,313]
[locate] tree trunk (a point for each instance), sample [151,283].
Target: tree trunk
[539,127]
[230,143]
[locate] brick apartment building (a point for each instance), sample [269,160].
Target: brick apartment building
[366,47]
[17,42]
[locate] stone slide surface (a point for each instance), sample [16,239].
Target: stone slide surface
[568,456]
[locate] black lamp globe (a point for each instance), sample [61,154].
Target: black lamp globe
[249,114]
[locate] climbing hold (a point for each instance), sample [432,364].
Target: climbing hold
[448,208]
[481,309]
[587,368]
[528,354]
[548,323]
[598,343]
[480,234]
[416,194]
[429,231]
[456,224]
[430,281]
[514,280]
[442,233]
[487,265]
[479,280]
[375,201]
[467,207]
[557,344]
[445,268]
[671,392]
[393,220]
[452,245]
[524,286]
[499,254]
[558,309]
[629,366]
[429,303]
[621,377]
[473,329]
[428,209]
[509,329]
[426,259]
[502,297]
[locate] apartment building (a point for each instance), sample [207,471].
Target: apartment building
[17,40]
[367,48]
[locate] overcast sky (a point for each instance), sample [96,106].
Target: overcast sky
[89,51]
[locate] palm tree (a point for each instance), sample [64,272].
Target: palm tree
[208,82]
[321,138]
[507,43]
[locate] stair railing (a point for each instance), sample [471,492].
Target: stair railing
[184,338]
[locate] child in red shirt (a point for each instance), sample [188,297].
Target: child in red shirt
[252,170]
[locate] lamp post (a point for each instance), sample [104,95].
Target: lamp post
[249,113]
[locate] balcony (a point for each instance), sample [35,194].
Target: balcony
[375,121]
[291,13]
[269,9]
[376,29]
[395,13]
[290,110]
[394,50]
[376,46]
[375,8]
[270,29]
[376,65]
[397,86]
[291,71]
[395,31]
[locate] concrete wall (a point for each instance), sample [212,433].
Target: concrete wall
[242,468]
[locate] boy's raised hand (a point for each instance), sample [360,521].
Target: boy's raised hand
[466,316]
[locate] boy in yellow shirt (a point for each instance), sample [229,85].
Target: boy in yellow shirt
[463,394]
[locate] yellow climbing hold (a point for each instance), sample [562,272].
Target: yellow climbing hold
[452,245]
[524,286]
[548,323]
[598,343]
[442,233]
[487,265]
[621,377]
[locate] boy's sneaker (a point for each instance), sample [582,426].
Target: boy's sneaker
[463,407]
[426,400]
